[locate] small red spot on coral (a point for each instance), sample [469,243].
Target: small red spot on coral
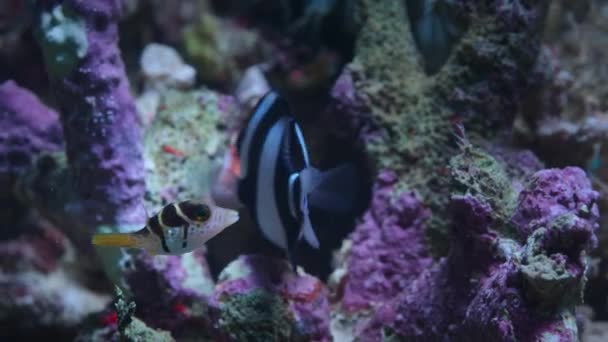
[172,150]
[305,297]
[180,308]
[110,318]
[161,107]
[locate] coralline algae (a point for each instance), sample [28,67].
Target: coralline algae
[514,239]
[501,281]
[98,113]
[28,128]
[386,251]
[170,291]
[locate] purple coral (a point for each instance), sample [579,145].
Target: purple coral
[170,291]
[555,193]
[491,287]
[388,250]
[28,128]
[98,112]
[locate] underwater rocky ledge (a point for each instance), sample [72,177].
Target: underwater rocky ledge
[465,236]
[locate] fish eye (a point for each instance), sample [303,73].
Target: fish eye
[203,213]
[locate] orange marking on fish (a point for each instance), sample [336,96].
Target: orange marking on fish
[172,150]
[235,162]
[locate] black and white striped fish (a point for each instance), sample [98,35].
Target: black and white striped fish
[276,181]
[178,228]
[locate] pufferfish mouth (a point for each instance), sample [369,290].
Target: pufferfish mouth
[228,216]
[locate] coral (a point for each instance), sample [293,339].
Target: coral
[79,40]
[259,299]
[174,17]
[221,50]
[567,114]
[252,87]
[513,275]
[131,328]
[384,254]
[186,137]
[386,251]
[405,117]
[64,40]
[119,324]
[170,291]
[39,285]
[28,129]
[162,67]
[554,195]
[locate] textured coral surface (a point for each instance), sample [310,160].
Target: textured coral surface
[466,236]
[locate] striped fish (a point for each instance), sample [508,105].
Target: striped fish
[177,229]
[276,181]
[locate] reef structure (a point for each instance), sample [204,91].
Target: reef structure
[503,277]
[259,299]
[79,41]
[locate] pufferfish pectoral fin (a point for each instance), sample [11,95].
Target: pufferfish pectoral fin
[115,240]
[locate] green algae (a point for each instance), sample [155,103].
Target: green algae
[255,316]
[412,112]
[547,278]
[62,36]
[201,45]
[412,123]
[138,331]
[214,47]
[475,172]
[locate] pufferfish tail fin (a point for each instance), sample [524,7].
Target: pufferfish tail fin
[115,240]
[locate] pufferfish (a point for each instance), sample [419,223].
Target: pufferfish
[178,228]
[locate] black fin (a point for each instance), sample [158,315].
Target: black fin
[337,190]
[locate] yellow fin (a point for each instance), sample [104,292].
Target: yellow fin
[116,239]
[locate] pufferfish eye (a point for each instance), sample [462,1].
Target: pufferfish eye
[203,213]
[197,212]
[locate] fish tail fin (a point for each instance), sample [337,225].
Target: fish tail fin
[115,240]
[336,191]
